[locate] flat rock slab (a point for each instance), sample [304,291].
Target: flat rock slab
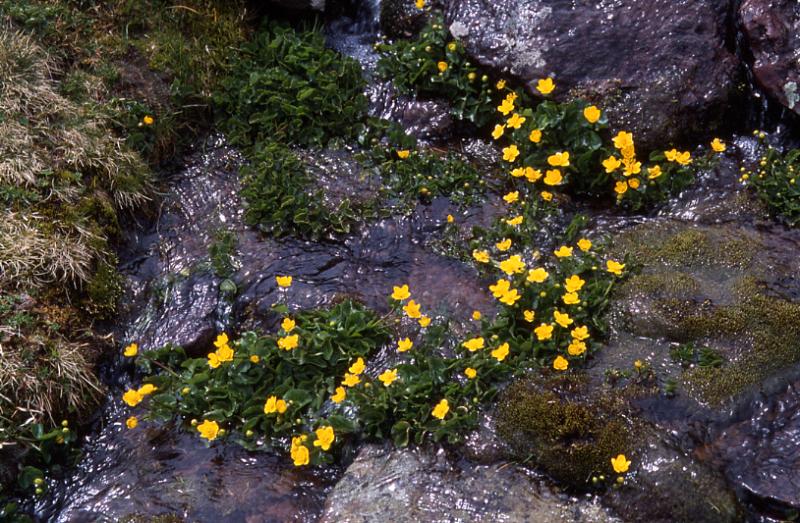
[659,67]
[423,485]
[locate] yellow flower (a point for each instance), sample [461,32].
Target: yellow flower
[518,172]
[510,153]
[403,154]
[560,159]
[473,344]
[584,244]
[671,155]
[412,309]
[560,363]
[351,380]
[498,131]
[273,405]
[148,120]
[500,352]
[501,84]
[441,409]
[563,252]
[611,164]
[547,196]
[620,464]
[633,183]
[300,455]
[132,422]
[628,152]
[221,341]
[545,85]
[654,172]
[511,297]
[574,283]
[147,389]
[620,188]
[537,275]
[623,140]
[420,4]
[684,158]
[470,373]
[476,315]
[532,174]
[503,245]
[208,430]
[516,121]
[288,342]
[213,360]
[511,197]
[718,145]
[357,367]
[544,331]
[515,221]
[225,353]
[512,265]
[592,114]
[571,298]
[632,167]
[535,136]
[580,333]
[131,350]
[452,46]
[576,348]
[553,177]
[501,287]
[255,358]
[400,293]
[614,267]
[424,321]
[506,106]
[388,377]
[529,316]
[442,66]
[132,397]
[340,395]
[288,324]
[481,256]
[562,319]
[325,437]
[284,281]
[511,97]
[404,345]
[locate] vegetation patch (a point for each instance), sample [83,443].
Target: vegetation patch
[287,86]
[775,183]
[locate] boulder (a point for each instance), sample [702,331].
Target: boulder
[772,31]
[660,68]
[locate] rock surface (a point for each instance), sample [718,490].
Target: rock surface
[659,67]
[772,29]
[420,485]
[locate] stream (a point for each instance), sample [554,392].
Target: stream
[172,296]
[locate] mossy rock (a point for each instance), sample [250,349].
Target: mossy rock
[568,433]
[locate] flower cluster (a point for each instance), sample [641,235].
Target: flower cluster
[774,180]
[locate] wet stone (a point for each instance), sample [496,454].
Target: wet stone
[659,67]
[422,484]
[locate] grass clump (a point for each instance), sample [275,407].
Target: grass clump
[287,86]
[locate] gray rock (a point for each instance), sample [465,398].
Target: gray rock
[423,485]
[772,29]
[659,67]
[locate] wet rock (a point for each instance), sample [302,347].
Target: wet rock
[423,485]
[401,18]
[772,30]
[424,119]
[659,67]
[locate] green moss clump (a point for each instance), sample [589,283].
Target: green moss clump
[661,284]
[569,437]
[104,290]
[288,87]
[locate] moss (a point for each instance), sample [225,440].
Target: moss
[104,290]
[569,435]
[771,326]
[661,284]
[687,246]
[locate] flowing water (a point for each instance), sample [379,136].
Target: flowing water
[173,296]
